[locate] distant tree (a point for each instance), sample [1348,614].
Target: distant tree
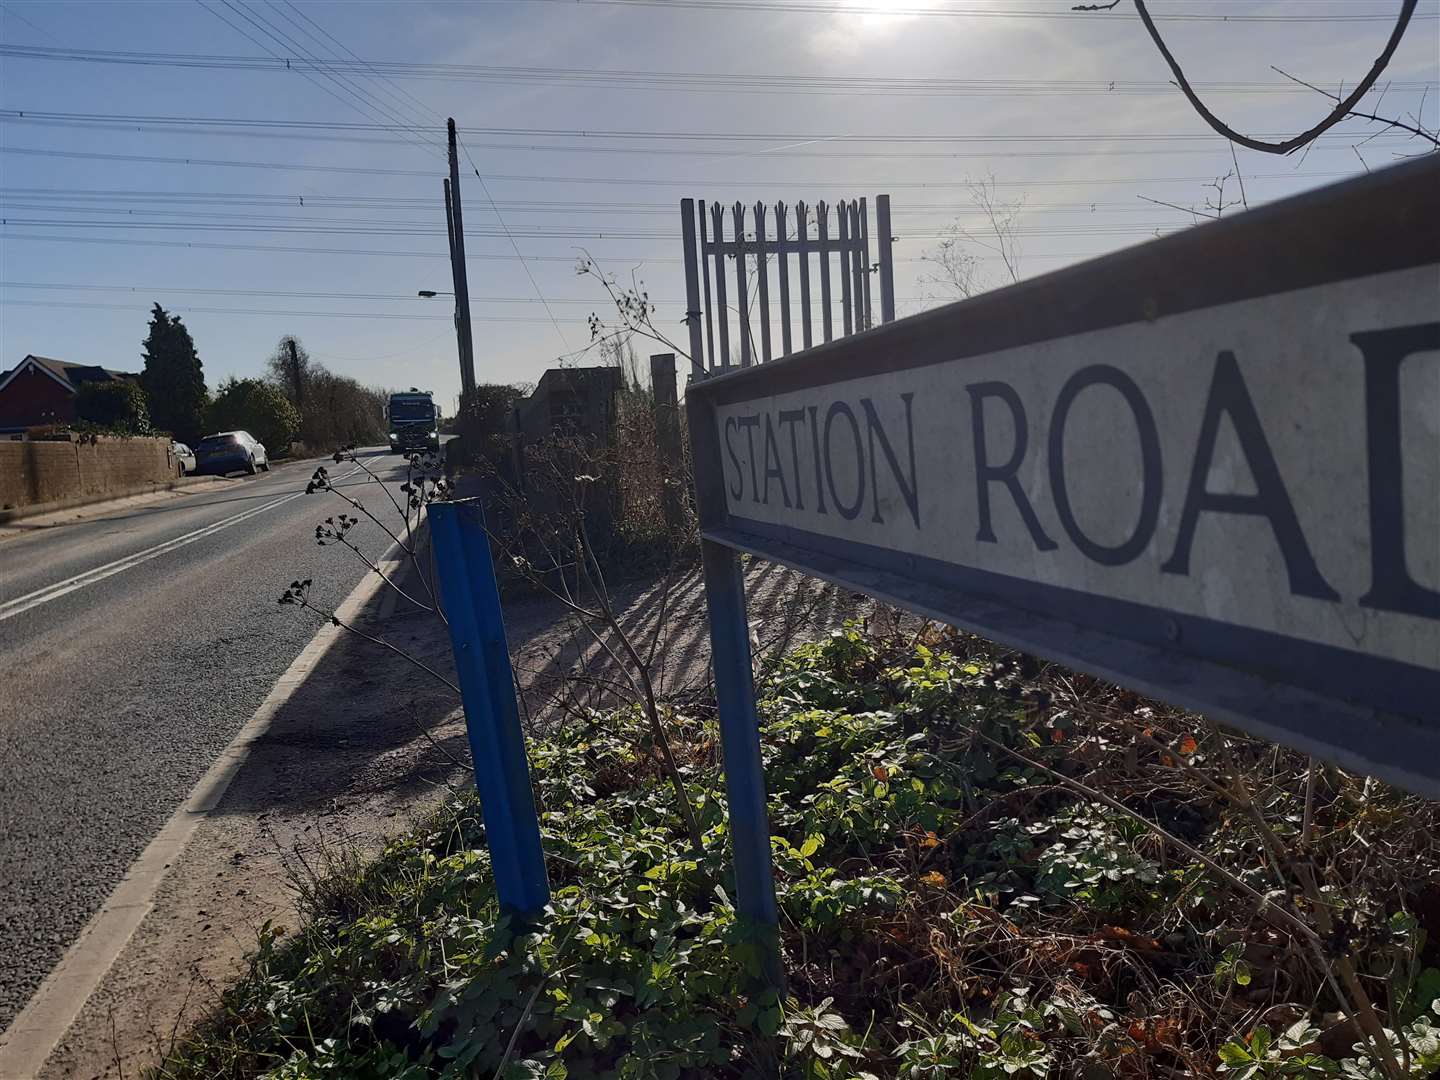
[173,379]
[290,369]
[342,412]
[118,407]
[334,410]
[258,407]
[957,260]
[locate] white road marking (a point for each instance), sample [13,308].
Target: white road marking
[33,1035]
[21,604]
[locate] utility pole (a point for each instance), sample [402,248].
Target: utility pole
[455,222]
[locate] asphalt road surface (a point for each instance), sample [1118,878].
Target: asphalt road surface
[132,648]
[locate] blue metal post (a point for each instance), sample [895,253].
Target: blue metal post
[497,744]
[740,746]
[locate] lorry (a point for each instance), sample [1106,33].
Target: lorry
[413,419]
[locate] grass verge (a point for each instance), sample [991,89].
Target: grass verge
[947,909]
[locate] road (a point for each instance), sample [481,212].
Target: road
[132,648]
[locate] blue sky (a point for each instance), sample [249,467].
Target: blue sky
[1080,158]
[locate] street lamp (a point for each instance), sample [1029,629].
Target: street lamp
[430,294]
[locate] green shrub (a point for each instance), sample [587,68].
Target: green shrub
[258,407]
[926,933]
[118,407]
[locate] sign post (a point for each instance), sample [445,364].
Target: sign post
[497,743]
[740,750]
[1207,468]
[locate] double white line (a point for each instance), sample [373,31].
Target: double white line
[22,604]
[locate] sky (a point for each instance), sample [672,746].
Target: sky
[319,229]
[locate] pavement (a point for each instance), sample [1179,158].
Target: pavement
[134,643]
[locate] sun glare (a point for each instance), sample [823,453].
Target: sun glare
[880,12]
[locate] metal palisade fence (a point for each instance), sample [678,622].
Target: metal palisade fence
[808,260]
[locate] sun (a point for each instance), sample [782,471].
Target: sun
[880,12]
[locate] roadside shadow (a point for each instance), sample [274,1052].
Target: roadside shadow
[366,719]
[375,718]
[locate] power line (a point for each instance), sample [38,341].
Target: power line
[260,44]
[289,249]
[1386,140]
[26,196]
[708,181]
[265,311]
[410,298]
[533,233]
[613,258]
[671,81]
[636,134]
[514,246]
[411,104]
[1341,141]
[367,105]
[201,219]
[590,302]
[818,7]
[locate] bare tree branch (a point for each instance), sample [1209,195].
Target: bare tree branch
[1343,108]
[1388,121]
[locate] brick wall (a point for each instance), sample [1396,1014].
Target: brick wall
[67,473]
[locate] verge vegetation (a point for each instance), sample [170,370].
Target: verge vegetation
[986,868]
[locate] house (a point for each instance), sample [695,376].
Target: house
[41,390]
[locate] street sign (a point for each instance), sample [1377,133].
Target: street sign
[1207,468]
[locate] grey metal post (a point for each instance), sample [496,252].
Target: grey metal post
[742,297]
[783,265]
[722,311]
[868,311]
[887,264]
[692,297]
[822,221]
[802,237]
[842,238]
[709,360]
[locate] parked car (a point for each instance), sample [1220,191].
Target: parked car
[230,451]
[184,457]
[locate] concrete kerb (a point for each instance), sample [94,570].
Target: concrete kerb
[32,1037]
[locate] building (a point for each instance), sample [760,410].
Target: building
[572,401]
[41,390]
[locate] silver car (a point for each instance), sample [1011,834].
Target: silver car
[183,457]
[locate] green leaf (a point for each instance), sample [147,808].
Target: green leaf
[1233,1054]
[769,1021]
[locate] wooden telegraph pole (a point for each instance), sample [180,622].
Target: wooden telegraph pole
[455,223]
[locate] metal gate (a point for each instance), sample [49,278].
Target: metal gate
[794,248]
